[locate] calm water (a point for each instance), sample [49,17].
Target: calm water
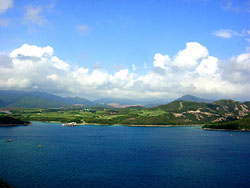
[117,156]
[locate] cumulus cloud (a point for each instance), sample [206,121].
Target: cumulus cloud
[5,5]
[192,70]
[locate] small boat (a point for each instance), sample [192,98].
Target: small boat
[9,140]
[39,146]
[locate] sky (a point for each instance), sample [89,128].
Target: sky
[131,49]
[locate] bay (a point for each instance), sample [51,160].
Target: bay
[119,156]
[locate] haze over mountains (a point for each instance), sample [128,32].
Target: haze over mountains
[193,99]
[184,110]
[37,99]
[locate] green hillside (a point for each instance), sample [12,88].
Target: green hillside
[37,99]
[35,102]
[241,125]
[175,113]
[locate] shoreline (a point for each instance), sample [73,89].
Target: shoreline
[133,125]
[14,125]
[128,125]
[213,129]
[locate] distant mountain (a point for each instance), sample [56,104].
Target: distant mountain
[123,103]
[193,99]
[37,99]
[118,103]
[153,103]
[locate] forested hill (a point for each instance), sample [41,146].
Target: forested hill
[36,99]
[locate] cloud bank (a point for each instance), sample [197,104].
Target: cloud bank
[191,71]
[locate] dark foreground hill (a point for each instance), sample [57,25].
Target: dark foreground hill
[6,121]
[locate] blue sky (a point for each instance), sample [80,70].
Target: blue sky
[115,35]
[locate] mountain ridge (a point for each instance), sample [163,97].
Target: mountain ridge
[194,99]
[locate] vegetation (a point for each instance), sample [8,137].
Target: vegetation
[5,185]
[240,125]
[187,110]
[35,99]
[10,121]
[217,114]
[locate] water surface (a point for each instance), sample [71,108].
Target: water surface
[118,156]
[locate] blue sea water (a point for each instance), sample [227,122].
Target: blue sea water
[118,156]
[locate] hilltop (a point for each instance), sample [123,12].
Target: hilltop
[192,98]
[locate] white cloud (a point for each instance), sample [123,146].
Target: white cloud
[32,51]
[190,56]
[208,66]
[161,61]
[133,67]
[5,5]
[192,70]
[34,15]
[228,33]
[83,28]
[225,33]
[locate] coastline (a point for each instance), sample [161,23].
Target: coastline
[14,125]
[162,125]
[212,129]
[127,125]
[134,125]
